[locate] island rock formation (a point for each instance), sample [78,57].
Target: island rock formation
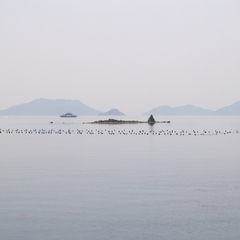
[151,120]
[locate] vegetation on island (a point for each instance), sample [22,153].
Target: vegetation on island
[151,120]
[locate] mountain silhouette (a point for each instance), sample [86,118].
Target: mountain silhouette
[190,110]
[60,106]
[50,107]
[233,109]
[181,110]
[113,112]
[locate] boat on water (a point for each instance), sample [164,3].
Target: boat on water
[68,115]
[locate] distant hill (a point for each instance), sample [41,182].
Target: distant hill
[181,110]
[58,107]
[191,110]
[50,107]
[113,112]
[233,109]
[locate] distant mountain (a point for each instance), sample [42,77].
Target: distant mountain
[191,110]
[233,109]
[58,107]
[50,107]
[181,110]
[113,112]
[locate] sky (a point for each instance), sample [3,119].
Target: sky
[133,55]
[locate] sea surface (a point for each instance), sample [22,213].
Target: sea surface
[70,180]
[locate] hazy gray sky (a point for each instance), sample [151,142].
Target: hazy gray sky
[131,55]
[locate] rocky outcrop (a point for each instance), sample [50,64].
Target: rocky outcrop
[151,120]
[115,121]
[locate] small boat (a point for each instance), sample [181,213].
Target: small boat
[68,115]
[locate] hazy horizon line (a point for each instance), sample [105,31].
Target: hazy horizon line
[142,112]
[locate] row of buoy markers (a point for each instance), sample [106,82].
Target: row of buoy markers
[115,132]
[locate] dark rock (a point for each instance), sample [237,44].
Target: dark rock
[151,119]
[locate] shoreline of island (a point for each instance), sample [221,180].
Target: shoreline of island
[151,120]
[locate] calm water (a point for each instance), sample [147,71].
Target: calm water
[98,185]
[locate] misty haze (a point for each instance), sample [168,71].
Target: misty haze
[119,120]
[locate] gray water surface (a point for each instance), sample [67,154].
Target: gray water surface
[102,186]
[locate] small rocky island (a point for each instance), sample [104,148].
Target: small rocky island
[112,112]
[150,120]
